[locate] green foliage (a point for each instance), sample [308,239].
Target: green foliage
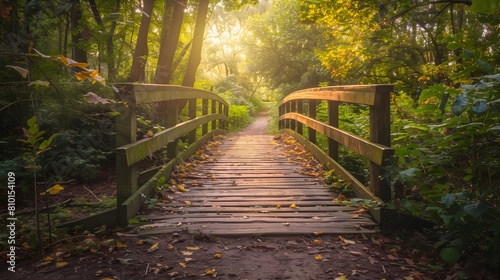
[449,157]
[239,117]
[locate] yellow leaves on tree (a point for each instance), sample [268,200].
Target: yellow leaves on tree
[54,190]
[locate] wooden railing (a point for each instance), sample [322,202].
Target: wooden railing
[376,149]
[170,99]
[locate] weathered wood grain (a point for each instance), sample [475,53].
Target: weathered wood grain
[239,193]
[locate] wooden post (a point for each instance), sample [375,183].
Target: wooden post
[293,109]
[300,110]
[204,112]
[380,132]
[192,115]
[214,111]
[172,110]
[126,132]
[221,122]
[226,113]
[333,120]
[280,113]
[311,133]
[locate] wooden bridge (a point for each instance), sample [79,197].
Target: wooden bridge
[250,186]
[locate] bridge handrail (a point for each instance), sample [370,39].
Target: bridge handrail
[130,151]
[377,149]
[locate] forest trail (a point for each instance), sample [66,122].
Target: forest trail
[183,255]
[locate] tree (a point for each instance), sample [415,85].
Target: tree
[137,73]
[170,38]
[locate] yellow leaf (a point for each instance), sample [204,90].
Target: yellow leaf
[54,190]
[278,206]
[48,259]
[139,242]
[170,247]
[187,202]
[318,233]
[293,205]
[213,177]
[210,271]
[218,255]
[181,188]
[317,242]
[318,257]
[194,184]
[150,134]
[120,245]
[182,264]
[187,253]
[42,193]
[343,277]
[153,247]
[194,248]
[61,264]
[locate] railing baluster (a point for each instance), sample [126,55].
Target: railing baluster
[192,115]
[204,112]
[311,133]
[333,120]
[300,110]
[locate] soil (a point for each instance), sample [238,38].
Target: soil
[115,254]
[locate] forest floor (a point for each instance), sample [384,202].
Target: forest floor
[115,254]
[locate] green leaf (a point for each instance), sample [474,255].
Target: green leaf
[39,83]
[47,142]
[480,106]
[453,46]
[484,66]
[484,6]
[444,99]
[450,255]
[476,209]
[469,54]
[459,105]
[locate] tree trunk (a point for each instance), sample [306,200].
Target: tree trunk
[110,54]
[137,73]
[195,55]
[78,54]
[169,41]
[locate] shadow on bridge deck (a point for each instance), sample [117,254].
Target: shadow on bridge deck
[238,193]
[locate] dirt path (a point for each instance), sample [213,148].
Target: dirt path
[118,255]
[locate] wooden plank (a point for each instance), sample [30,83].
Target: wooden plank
[242,196]
[360,94]
[260,228]
[143,148]
[372,151]
[149,93]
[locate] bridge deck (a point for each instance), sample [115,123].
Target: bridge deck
[238,193]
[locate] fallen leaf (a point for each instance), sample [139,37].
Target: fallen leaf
[316,218]
[318,257]
[181,188]
[286,224]
[210,272]
[153,247]
[140,242]
[343,277]
[187,253]
[182,264]
[61,264]
[194,248]
[317,242]
[218,255]
[293,205]
[355,253]
[194,184]
[318,233]
[346,241]
[48,258]
[278,206]
[120,245]
[170,247]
